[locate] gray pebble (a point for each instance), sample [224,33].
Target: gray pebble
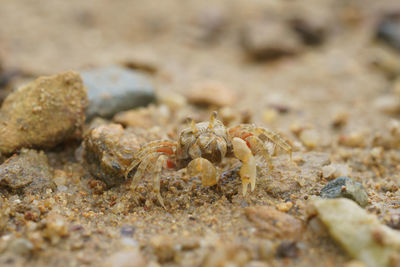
[389,30]
[114,89]
[345,187]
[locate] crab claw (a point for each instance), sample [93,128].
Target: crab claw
[205,169]
[248,171]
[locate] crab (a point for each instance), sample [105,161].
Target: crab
[202,145]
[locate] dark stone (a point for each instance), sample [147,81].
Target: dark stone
[388,30]
[114,89]
[287,249]
[127,230]
[345,187]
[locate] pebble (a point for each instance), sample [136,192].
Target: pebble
[285,206]
[287,249]
[163,247]
[113,89]
[56,227]
[268,39]
[345,187]
[29,170]
[127,230]
[108,151]
[272,223]
[386,60]
[353,139]
[20,246]
[126,258]
[361,234]
[312,29]
[211,93]
[389,104]
[340,119]
[332,171]
[310,138]
[58,101]
[172,100]
[388,30]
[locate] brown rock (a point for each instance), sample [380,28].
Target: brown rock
[211,93]
[108,151]
[28,168]
[43,113]
[274,224]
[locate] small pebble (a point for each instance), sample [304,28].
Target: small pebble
[56,227]
[127,230]
[340,119]
[163,247]
[125,258]
[272,223]
[287,249]
[268,39]
[310,138]
[335,170]
[345,187]
[285,206]
[269,115]
[211,93]
[20,246]
[353,139]
[389,104]
[388,29]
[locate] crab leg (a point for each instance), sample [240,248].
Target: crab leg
[257,147]
[164,147]
[276,139]
[248,171]
[141,170]
[156,179]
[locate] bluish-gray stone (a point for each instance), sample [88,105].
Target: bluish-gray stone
[345,187]
[114,89]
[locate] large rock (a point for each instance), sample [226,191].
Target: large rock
[28,169]
[43,113]
[114,89]
[108,151]
[361,234]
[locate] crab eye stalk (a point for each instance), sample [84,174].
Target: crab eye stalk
[212,119]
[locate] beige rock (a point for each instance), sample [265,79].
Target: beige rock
[361,234]
[43,113]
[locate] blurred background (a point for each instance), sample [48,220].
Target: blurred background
[307,61]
